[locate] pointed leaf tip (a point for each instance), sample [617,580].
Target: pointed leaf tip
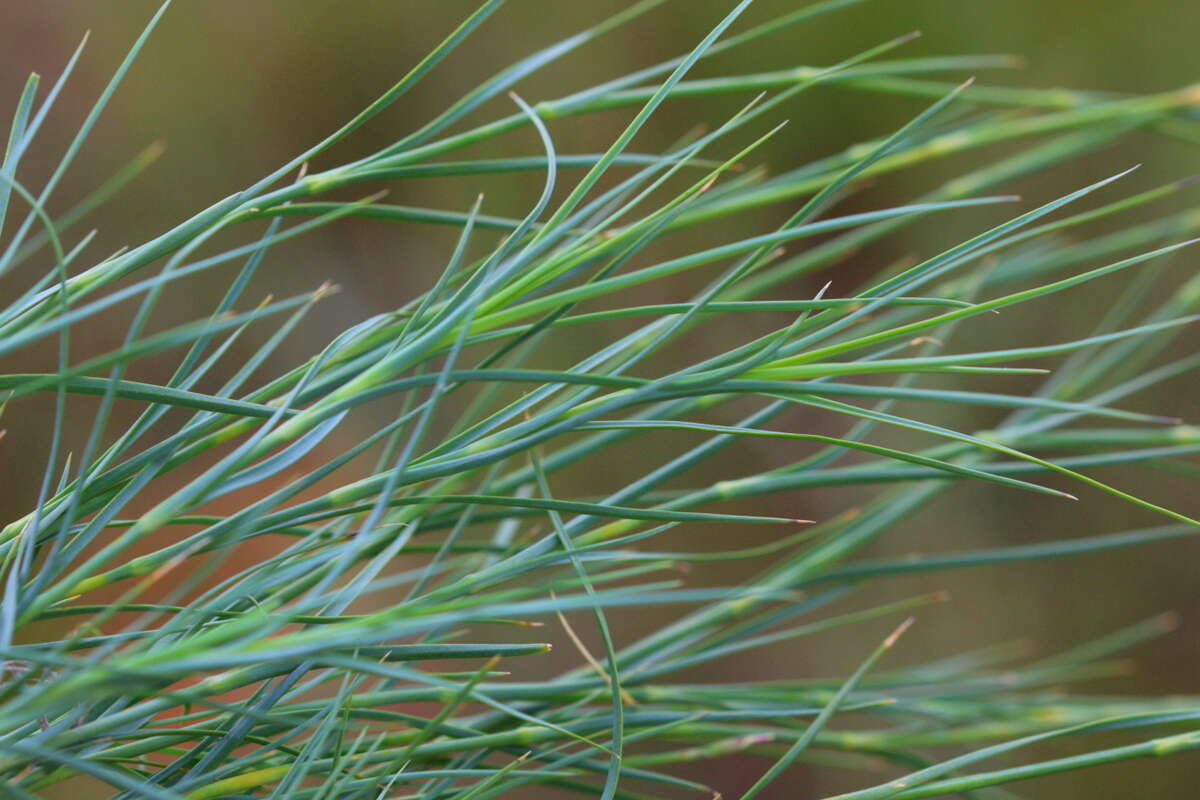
[1168,621]
[896,634]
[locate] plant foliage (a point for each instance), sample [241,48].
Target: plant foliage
[144,649]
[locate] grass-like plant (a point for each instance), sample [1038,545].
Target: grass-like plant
[144,650]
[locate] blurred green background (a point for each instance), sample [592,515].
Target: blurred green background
[234,88]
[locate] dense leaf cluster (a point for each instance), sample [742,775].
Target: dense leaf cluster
[319,670]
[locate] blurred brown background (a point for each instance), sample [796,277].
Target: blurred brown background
[234,88]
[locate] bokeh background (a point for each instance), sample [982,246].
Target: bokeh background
[233,88]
